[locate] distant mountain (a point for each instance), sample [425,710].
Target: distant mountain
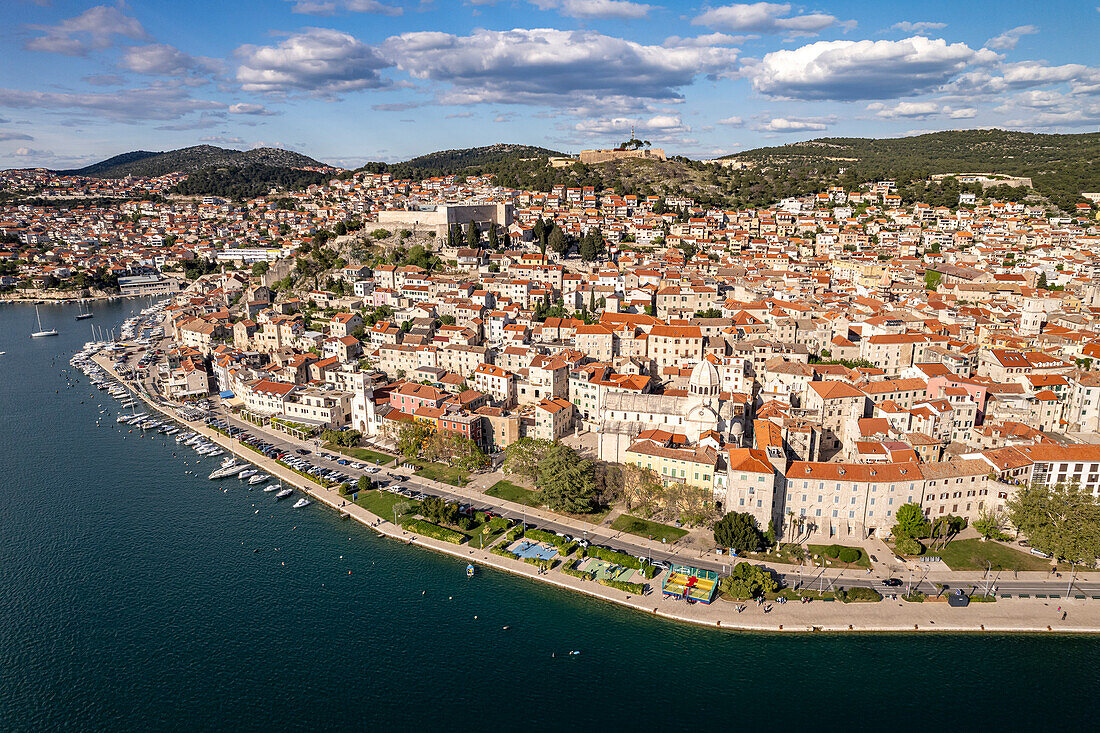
[1061,167]
[188,160]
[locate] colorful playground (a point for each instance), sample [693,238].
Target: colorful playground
[692,584]
[534,549]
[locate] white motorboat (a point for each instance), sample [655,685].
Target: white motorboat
[258,479]
[284,493]
[273,487]
[226,471]
[246,473]
[301,503]
[41,331]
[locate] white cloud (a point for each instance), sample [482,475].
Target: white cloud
[222,140]
[8,136]
[160,59]
[317,61]
[92,30]
[764,18]
[919,27]
[332,7]
[155,102]
[618,9]
[1078,117]
[245,108]
[962,113]
[584,71]
[1008,40]
[852,70]
[907,110]
[708,39]
[396,106]
[32,153]
[794,124]
[104,80]
[732,122]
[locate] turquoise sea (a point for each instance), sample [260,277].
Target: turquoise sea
[135,596]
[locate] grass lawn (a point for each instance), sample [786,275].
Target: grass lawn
[819,550]
[475,537]
[510,492]
[365,455]
[972,555]
[645,528]
[775,555]
[381,503]
[441,473]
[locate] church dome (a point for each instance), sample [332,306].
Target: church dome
[704,379]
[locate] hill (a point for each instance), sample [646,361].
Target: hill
[526,166]
[1061,167]
[467,161]
[188,160]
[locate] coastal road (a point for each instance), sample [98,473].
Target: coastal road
[922,579]
[814,578]
[811,577]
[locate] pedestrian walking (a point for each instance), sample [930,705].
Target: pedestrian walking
[1063,615]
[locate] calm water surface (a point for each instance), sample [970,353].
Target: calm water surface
[136,596]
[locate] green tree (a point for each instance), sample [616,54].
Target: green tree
[566,481]
[908,546]
[738,531]
[522,457]
[749,581]
[341,229]
[410,438]
[473,236]
[1060,520]
[435,509]
[364,484]
[260,268]
[911,522]
[558,242]
[709,313]
[494,240]
[932,279]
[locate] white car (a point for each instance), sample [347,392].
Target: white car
[372,470]
[357,466]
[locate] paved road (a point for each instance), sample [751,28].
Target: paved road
[814,578]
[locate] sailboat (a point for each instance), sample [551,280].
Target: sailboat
[40,332]
[84,312]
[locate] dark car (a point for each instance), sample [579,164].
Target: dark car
[891,582]
[302,452]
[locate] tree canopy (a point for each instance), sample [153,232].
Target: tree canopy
[1061,520]
[739,532]
[911,522]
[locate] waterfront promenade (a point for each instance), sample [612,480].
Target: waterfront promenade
[1014,615]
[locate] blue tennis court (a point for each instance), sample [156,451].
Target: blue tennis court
[542,552]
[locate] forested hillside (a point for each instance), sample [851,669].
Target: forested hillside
[1061,167]
[248,182]
[187,160]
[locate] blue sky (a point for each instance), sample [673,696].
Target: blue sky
[347,81]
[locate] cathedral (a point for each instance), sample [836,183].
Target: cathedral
[703,409]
